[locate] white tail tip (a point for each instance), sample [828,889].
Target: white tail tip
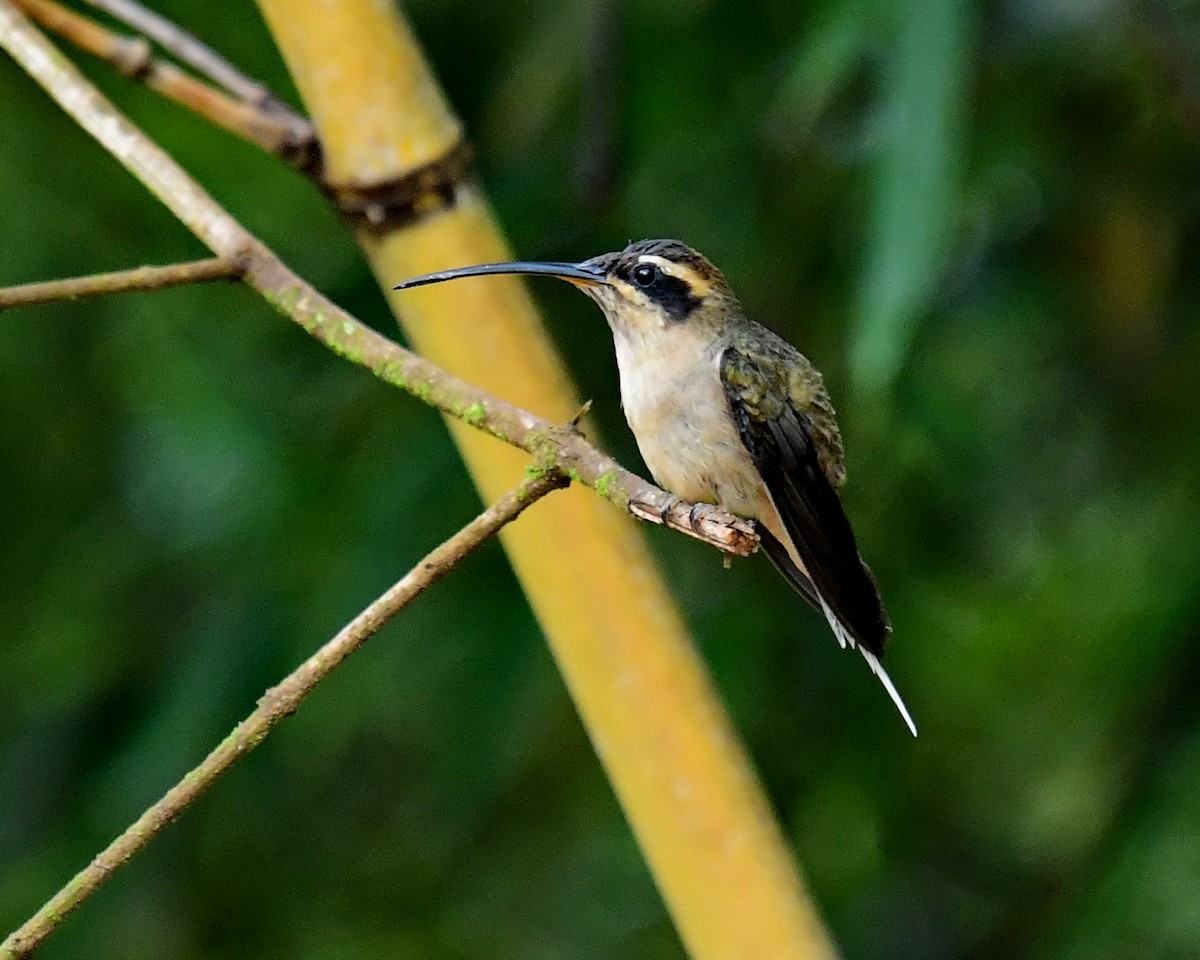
[846,640]
[877,669]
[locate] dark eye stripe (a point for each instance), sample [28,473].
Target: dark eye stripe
[674,296]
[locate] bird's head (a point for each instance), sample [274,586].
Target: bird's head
[651,284]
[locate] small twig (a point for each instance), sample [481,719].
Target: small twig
[582,412]
[554,447]
[278,702]
[123,281]
[197,54]
[272,130]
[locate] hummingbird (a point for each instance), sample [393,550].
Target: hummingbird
[727,412]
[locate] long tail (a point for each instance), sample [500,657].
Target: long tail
[784,562]
[877,669]
[845,639]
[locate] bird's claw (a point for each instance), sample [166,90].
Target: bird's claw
[665,510]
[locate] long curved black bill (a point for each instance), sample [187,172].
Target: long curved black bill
[578,273]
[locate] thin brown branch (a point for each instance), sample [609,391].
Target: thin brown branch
[198,55]
[272,130]
[278,702]
[123,281]
[552,446]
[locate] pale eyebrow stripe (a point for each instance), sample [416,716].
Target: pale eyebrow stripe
[699,286]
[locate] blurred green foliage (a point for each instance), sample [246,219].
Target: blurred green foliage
[981,221]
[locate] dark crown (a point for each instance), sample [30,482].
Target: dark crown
[673,250]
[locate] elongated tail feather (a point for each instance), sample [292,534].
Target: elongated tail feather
[877,669]
[845,638]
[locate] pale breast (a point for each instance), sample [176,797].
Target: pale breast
[676,406]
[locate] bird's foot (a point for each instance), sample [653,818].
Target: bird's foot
[666,508]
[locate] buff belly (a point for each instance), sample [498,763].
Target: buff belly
[685,430]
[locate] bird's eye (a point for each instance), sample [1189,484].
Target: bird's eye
[645,274]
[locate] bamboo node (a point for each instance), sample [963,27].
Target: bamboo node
[391,204]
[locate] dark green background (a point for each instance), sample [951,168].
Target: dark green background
[981,221]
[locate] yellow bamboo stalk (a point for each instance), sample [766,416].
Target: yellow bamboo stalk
[675,763]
